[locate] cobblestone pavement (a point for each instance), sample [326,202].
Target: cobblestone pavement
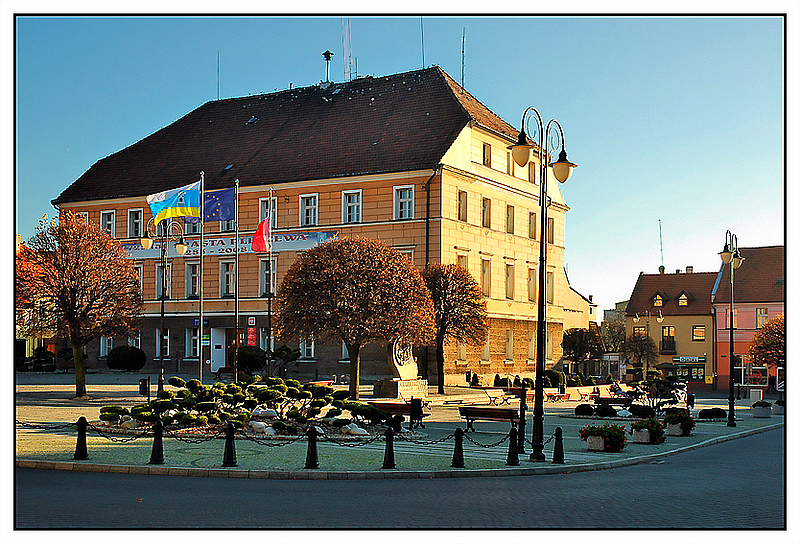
[704,488]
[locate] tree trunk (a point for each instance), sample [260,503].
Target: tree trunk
[440,362]
[355,370]
[80,373]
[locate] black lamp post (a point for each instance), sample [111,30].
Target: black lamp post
[562,169]
[660,319]
[730,255]
[169,232]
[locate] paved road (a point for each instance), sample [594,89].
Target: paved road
[736,484]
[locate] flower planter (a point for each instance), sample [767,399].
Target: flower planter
[778,410]
[595,443]
[674,429]
[762,411]
[641,437]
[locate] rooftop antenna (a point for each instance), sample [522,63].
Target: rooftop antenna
[328,56]
[422,34]
[217,74]
[463,40]
[347,49]
[661,243]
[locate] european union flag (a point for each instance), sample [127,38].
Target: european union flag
[219,205]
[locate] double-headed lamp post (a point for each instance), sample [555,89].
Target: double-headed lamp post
[730,255]
[562,168]
[169,232]
[660,319]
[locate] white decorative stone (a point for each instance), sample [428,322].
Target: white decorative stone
[624,413]
[595,443]
[258,426]
[674,429]
[355,430]
[125,418]
[265,412]
[641,436]
[130,424]
[269,431]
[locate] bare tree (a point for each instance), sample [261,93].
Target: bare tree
[642,349]
[459,308]
[580,345]
[79,275]
[355,290]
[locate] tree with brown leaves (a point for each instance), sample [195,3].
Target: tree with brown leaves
[768,346]
[355,290]
[81,277]
[459,307]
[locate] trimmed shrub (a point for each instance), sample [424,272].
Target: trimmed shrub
[165,394]
[162,405]
[187,403]
[340,395]
[250,403]
[213,419]
[279,426]
[167,420]
[251,358]
[182,393]
[146,417]
[201,421]
[396,422]
[293,383]
[177,381]
[126,358]
[188,420]
[205,406]
[114,409]
[339,423]
[333,412]
[584,410]
[193,385]
[273,380]
[712,413]
[109,416]
[605,410]
[641,411]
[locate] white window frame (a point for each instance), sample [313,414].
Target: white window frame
[166,342]
[462,198]
[262,276]
[304,206]
[696,328]
[164,276]
[462,352]
[227,225]
[486,212]
[509,345]
[762,316]
[532,168]
[532,346]
[135,339]
[191,228]
[227,272]
[550,287]
[486,277]
[192,342]
[486,154]
[307,350]
[84,215]
[407,252]
[262,210]
[532,225]
[510,212]
[398,202]
[106,345]
[735,318]
[347,206]
[462,259]
[112,228]
[551,230]
[510,281]
[138,231]
[533,282]
[140,272]
[188,279]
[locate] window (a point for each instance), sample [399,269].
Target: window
[761,317]
[351,206]
[408,253]
[345,353]
[461,260]
[191,228]
[135,223]
[227,226]
[462,352]
[135,339]
[82,217]
[509,164]
[728,318]
[509,345]
[265,341]
[308,210]
[485,351]
[658,301]
[486,277]
[107,221]
[192,342]
[532,172]
[509,219]
[550,287]
[533,279]
[263,210]
[698,333]
[551,230]
[639,331]
[192,271]
[532,225]
[487,155]
[509,281]
[404,202]
[532,345]
[140,275]
[668,332]
[163,282]
[548,345]
[307,348]
[165,341]
[106,345]
[227,279]
[683,300]
[486,213]
[267,276]
[462,206]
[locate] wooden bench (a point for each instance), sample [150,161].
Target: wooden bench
[475,413]
[224,371]
[403,409]
[553,397]
[497,400]
[613,401]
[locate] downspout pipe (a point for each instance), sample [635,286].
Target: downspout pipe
[428,214]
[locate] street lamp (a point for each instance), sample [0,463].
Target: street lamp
[659,318]
[730,255]
[562,168]
[169,232]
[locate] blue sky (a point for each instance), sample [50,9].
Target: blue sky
[674,118]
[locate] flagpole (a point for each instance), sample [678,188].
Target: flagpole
[269,286]
[236,277]
[200,276]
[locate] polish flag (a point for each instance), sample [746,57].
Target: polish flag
[263,237]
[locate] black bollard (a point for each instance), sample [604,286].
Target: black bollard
[513,456]
[458,452]
[311,455]
[157,456]
[558,449]
[80,447]
[523,397]
[388,456]
[229,459]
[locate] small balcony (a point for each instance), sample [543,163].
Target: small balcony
[668,346]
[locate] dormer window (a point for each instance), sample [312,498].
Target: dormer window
[683,300]
[658,301]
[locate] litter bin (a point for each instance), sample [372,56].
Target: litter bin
[562,388]
[756,395]
[690,401]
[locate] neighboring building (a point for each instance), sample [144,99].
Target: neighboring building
[758,296]
[579,311]
[675,311]
[412,159]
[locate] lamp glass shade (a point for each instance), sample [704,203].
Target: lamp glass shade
[521,153]
[181,247]
[737,260]
[562,168]
[147,242]
[726,254]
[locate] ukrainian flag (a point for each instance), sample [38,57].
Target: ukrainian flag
[181,202]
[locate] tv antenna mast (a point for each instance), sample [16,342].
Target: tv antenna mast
[661,243]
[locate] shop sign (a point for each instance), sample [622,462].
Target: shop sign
[685,359]
[251,336]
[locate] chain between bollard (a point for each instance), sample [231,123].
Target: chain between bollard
[145,432]
[172,434]
[353,445]
[270,443]
[44,427]
[546,442]
[428,443]
[468,437]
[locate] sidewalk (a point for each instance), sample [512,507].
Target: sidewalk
[425,453]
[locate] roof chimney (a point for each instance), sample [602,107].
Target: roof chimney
[689,269]
[328,56]
[678,271]
[661,269]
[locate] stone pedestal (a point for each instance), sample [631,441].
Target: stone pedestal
[641,436]
[674,429]
[762,411]
[595,443]
[396,388]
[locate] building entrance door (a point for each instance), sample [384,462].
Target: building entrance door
[230,344]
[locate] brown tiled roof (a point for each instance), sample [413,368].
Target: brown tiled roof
[760,278]
[369,125]
[696,285]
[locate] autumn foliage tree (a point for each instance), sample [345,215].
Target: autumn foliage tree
[459,308]
[355,290]
[80,277]
[580,345]
[768,346]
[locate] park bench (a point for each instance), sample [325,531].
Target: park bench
[497,400]
[614,401]
[553,397]
[415,414]
[475,413]
[224,373]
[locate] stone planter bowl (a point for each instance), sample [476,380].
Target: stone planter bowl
[778,410]
[641,437]
[762,411]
